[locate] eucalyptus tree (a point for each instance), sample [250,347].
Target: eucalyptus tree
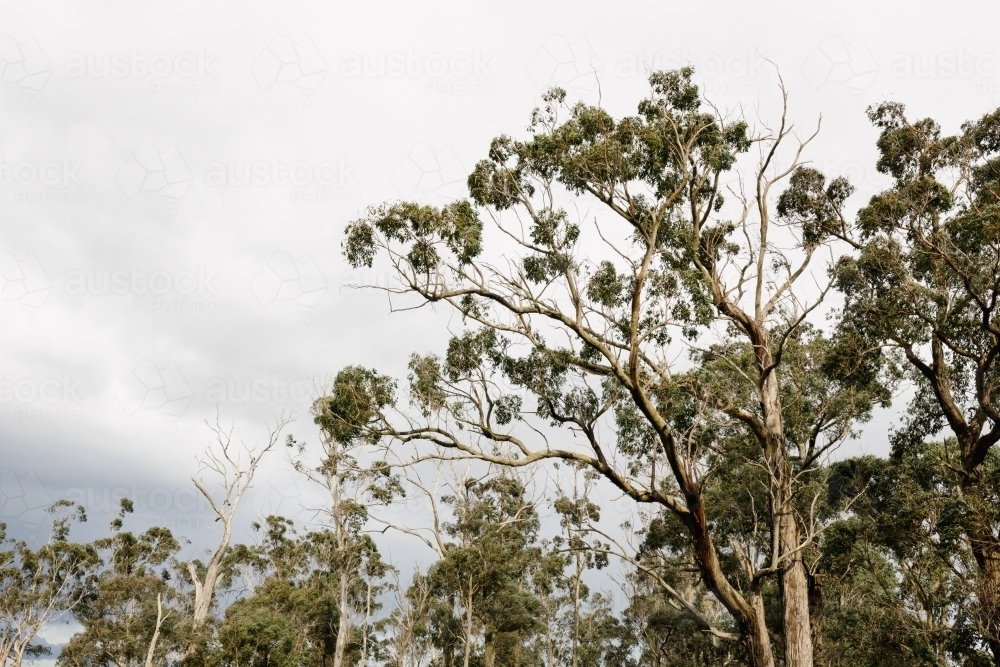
[593,326]
[483,578]
[292,615]
[40,585]
[351,486]
[897,567]
[923,290]
[123,618]
[577,512]
[233,466]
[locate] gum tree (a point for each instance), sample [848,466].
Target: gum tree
[350,486]
[122,615]
[38,586]
[234,467]
[923,290]
[646,345]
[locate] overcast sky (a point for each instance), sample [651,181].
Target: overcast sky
[175,177]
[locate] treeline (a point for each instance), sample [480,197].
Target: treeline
[892,581]
[680,349]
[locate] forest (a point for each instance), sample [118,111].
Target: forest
[634,446]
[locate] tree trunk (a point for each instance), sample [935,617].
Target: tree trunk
[747,610]
[468,629]
[364,636]
[156,632]
[816,616]
[204,590]
[985,547]
[792,582]
[576,612]
[755,635]
[343,609]
[795,613]
[986,550]
[343,624]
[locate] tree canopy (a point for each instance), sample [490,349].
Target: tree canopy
[627,447]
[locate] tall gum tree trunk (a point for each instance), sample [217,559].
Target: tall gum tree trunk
[205,589]
[343,624]
[795,602]
[576,612]
[792,581]
[468,630]
[757,638]
[748,611]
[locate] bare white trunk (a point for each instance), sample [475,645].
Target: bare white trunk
[343,624]
[364,637]
[156,631]
[205,588]
[225,460]
[576,612]
[468,628]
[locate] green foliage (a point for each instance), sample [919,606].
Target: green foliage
[292,616]
[354,402]
[456,228]
[39,585]
[119,610]
[727,452]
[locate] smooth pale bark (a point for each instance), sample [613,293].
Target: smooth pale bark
[793,584]
[364,635]
[156,631]
[576,609]
[204,588]
[343,623]
[468,628]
